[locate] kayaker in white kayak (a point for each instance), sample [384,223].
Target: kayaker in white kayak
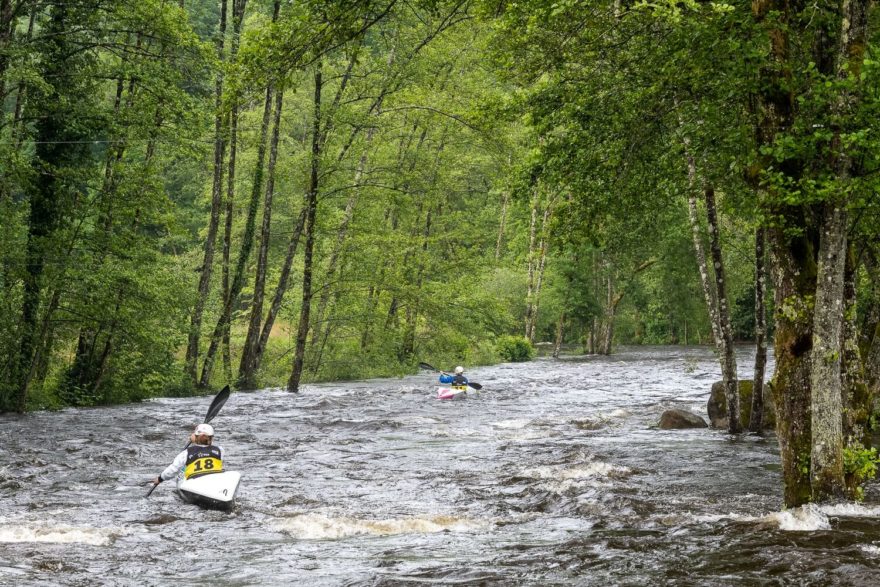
[457,380]
[202,457]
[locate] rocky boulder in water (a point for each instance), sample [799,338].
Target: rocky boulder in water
[678,419]
[717,405]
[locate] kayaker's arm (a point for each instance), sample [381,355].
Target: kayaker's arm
[172,470]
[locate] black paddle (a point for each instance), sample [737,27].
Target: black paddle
[476,386]
[216,404]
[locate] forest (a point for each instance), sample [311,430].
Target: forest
[267,193]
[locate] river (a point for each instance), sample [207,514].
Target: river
[554,474]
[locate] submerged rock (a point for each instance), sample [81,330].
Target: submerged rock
[717,405]
[678,419]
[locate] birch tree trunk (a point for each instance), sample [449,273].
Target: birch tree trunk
[700,253]
[728,358]
[531,267]
[539,280]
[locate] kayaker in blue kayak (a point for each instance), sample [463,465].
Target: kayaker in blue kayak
[458,379]
[201,457]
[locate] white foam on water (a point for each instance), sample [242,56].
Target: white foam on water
[321,527]
[512,424]
[870,549]
[850,510]
[618,414]
[711,518]
[589,470]
[807,518]
[58,534]
[530,434]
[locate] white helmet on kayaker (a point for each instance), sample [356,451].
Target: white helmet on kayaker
[459,370]
[204,429]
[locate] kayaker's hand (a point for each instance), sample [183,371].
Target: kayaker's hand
[157,481]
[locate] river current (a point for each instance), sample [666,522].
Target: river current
[554,474]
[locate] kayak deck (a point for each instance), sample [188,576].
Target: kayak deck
[214,491]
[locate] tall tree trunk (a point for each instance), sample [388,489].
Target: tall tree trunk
[792,265]
[226,256]
[280,290]
[18,128]
[238,9]
[560,329]
[826,465]
[700,253]
[7,29]
[192,348]
[247,241]
[857,400]
[612,301]
[320,327]
[246,373]
[61,141]
[229,210]
[531,261]
[728,358]
[341,234]
[756,423]
[505,198]
[539,280]
[308,252]
[869,335]
[826,457]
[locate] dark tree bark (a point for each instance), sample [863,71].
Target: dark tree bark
[247,241]
[61,140]
[238,8]
[756,424]
[280,290]
[308,252]
[21,95]
[560,329]
[246,369]
[192,348]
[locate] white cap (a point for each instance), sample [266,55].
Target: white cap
[459,369]
[205,429]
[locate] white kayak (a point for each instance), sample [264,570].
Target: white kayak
[452,393]
[214,491]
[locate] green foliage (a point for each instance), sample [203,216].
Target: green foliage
[515,348]
[859,465]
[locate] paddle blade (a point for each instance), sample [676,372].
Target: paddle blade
[474,385]
[426,366]
[218,402]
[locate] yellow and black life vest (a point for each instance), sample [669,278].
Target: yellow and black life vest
[202,460]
